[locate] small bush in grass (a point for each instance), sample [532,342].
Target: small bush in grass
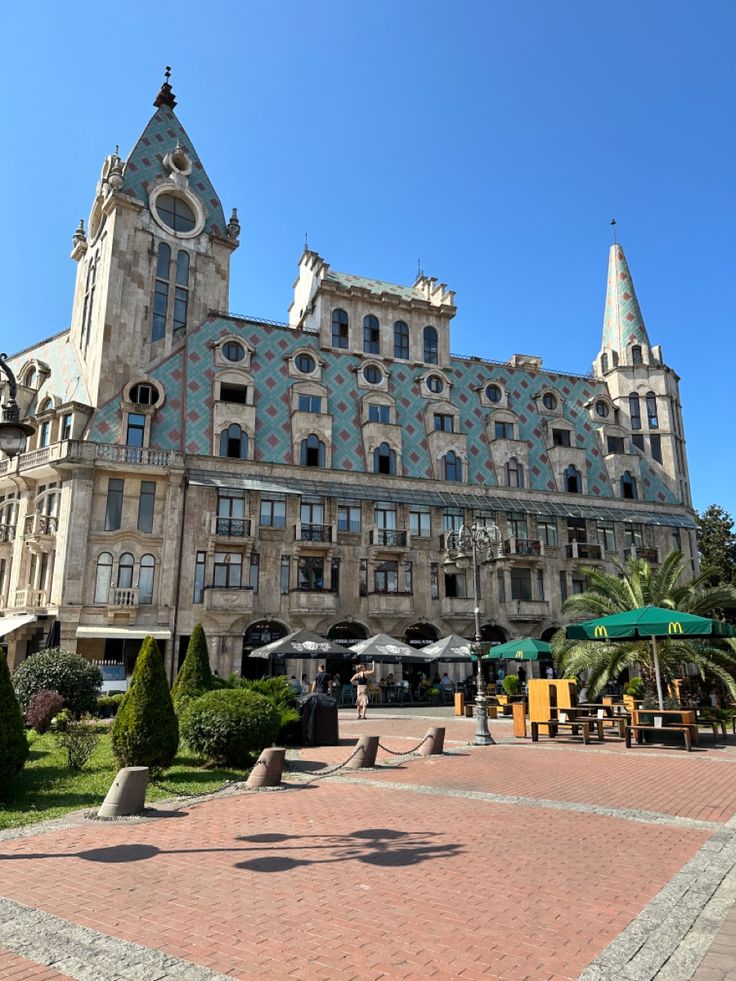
[230,726]
[280,693]
[13,742]
[42,708]
[195,676]
[78,740]
[146,731]
[107,705]
[512,684]
[75,678]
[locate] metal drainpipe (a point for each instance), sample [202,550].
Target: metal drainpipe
[174,655]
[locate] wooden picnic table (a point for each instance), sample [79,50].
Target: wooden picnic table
[583,722]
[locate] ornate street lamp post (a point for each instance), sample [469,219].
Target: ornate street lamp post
[12,431]
[474,542]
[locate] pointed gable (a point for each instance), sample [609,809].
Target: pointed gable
[623,323]
[144,166]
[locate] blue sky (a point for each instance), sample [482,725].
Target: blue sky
[492,140]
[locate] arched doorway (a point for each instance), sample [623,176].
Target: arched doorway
[420,634]
[347,632]
[492,636]
[257,635]
[547,662]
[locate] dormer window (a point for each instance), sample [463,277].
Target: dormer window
[310,403]
[494,394]
[636,357]
[340,327]
[312,452]
[31,378]
[234,442]
[384,460]
[601,408]
[504,430]
[237,394]
[372,374]
[136,431]
[514,473]
[431,348]
[549,401]
[452,466]
[305,363]
[143,394]
[444,423]
[371,335]
[560,437]
[435,384]
[628,487]
[401,340]
[232,351]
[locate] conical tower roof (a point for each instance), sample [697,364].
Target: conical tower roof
[623,323]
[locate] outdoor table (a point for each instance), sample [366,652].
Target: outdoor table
[681,717]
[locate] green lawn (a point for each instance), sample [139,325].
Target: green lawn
[47,789]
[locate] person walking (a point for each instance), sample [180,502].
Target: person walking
[322,682]
[360,680]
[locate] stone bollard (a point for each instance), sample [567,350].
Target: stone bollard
[435,744]
[369,747]
[268,768]
[127,795]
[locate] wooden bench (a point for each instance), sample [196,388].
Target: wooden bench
[685,730]
[573,725]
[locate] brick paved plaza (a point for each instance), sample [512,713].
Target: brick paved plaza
[550,860]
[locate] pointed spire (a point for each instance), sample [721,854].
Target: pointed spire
[165,96]
[623,323]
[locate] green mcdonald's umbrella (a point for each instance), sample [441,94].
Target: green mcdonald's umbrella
[653,622]
[526,649]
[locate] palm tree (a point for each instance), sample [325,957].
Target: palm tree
[638,584]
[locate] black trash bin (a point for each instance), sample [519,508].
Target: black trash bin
[319,720]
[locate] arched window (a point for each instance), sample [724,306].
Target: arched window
[161,292]
[371,335]
[573,480]
[628,487]
[635,411]
[604,363]
[89,298]
[431,349]
[652,410]
[636,357]
[339,328]
[401,340]
[31,378]
[103,577]
[234,442]
[181,293]
[384,459]
[514,473]
[145,579]
[46,405]
[452,466]
[312,452]
[125,571]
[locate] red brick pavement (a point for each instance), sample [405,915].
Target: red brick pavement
[15,968]
[719,964]
[345,881]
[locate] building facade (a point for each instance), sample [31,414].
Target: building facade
[192,465]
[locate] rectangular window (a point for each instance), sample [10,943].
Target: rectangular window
[607,536]
[363,577]
[253,574]
[547,530]
[638,441]
[504,430]
[312,512]
[635,411]
[434,583]
[348,517]
[273,514]
[655,443]
[517,525]
[385,516]
[310,403]
[285,574]
[452,520]
[44,434]
[563,586]
[199,567]
[676,540]
[234,393]
[501,580]
[66,427]
[114,510]
[540,584]
[578,585]
[633,535]
[456,585]
[310,575]
[443,423]
[521,584]
[136,429]
[386,577]
[420,522]
[230,503]
[146,504]
[408,578]
[560,437]
[379,413]
[335,575]
[576,530]
[616,444]
[228,572]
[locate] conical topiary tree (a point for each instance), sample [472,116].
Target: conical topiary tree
[13,742]
[195,676]
[146,730]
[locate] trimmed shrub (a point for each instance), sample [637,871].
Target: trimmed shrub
[283,697]
[230,726]
[75,678]
[13,742]
[512,685]
[107,705]
[194,677]
[636,688]
[42,708]
[146,731]
[79,741]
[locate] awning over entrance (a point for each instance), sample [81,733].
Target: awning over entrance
[122,633]
[9,624]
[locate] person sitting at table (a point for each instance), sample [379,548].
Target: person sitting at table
[389,679]
[294,685]
[447,684]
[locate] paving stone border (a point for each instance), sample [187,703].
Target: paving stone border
[87,955]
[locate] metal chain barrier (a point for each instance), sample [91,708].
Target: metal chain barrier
[335,769]
[404,752]
[202,793]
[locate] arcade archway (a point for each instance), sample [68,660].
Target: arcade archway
[257,635]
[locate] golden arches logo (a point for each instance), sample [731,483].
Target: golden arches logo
[674,628]
[519,655]
[600,632]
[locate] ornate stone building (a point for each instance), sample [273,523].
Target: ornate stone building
[193,465]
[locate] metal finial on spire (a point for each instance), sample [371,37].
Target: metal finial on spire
[306,241]
[165,96]
[167,73]
[613,229]
[419,269]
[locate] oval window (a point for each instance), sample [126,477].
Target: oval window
[372,374]
[175,213]
[232,351]
[601,408]
[493,393]
[305,363]
[549,400]
[435,384]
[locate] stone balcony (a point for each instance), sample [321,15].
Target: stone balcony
[313,601]
[651,555]
[528,548]
[527,610]
[387,604]
[30,600]
[38,528]
[7,534]
[225,600]
[457,606]
[586,551]
[122,598]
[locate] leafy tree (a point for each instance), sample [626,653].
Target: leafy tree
[13,743]
[717,546]
[146,731]
[639,584]
[75,678]
[195,676]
